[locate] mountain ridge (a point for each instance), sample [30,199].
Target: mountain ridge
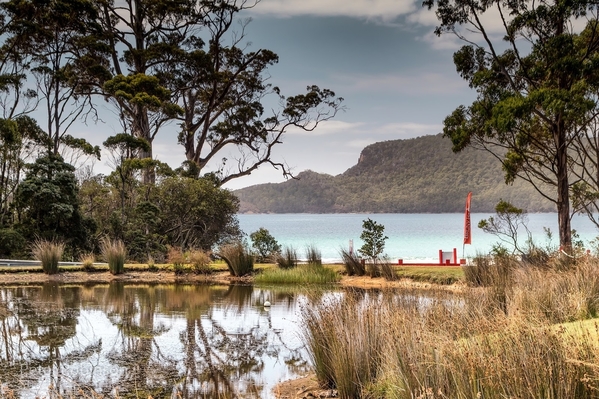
[418,175]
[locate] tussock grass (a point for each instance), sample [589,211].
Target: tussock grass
[287,259]
[200,262]
[353,265]
[48,253]
[87,262]
[239,260]
[176,258]
[302,274]
[313,255]
[115,253]
[483,344]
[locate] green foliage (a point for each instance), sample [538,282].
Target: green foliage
[505,225]
[374,239]
[399,176]
[48,204]
[12,243]
[266,245]
[48,253]
[303,274]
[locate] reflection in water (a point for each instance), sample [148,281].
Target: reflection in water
[143,340]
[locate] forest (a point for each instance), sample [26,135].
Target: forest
[151,64]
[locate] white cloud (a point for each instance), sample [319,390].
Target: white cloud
[384,10]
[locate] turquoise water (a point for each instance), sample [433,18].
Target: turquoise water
[417,237]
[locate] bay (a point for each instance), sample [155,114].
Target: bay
[412,237]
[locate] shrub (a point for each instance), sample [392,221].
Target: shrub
[177,259]
[115,253]
[200,261]
[152,264]
[49,254]
[12,243]
[353,265]
[288,258]
[265,244]
[239,260]
[87,262]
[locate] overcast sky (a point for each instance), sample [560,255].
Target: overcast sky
[398,79]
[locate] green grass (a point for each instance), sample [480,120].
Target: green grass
[302,274]
[432,274]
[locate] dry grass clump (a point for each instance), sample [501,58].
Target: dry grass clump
[176,258]
[115,253]
[239,260]
[200,261]
[87,262]
[496,342]
[48,253]
[287,259]
[353,265]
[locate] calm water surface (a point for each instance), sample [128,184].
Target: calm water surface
[416,237]
[139,340]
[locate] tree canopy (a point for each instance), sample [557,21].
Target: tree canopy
[536,84]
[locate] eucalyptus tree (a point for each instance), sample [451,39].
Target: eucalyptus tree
[170,61]
[222,88]
[52,39]
[535,75]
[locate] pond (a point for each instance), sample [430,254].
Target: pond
[139,340]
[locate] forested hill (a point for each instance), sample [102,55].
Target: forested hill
[420,175]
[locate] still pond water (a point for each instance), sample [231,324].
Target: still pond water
[196,341]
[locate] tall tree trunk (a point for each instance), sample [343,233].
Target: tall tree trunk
[563,191]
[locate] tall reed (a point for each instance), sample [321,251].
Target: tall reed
[313,255]
[48,253]
[287,259]
[353,265]
[467,347]
[239,260]
[115,253]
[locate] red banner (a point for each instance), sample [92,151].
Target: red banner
[467,227]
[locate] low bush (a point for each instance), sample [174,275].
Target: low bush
[200,262]
[115,253]
[239,260]
[176,258]
[49,254]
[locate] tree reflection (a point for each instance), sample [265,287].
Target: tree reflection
[141,341]
[36,322]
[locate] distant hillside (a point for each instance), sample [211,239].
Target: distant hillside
[420,175]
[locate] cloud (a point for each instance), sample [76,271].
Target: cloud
[411,83]
[328,128]
[383,10]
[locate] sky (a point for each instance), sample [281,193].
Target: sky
[397,79]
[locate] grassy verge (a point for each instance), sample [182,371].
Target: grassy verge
[525,339]
[432,274]
[302,274]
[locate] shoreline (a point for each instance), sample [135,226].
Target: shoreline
[219,278]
